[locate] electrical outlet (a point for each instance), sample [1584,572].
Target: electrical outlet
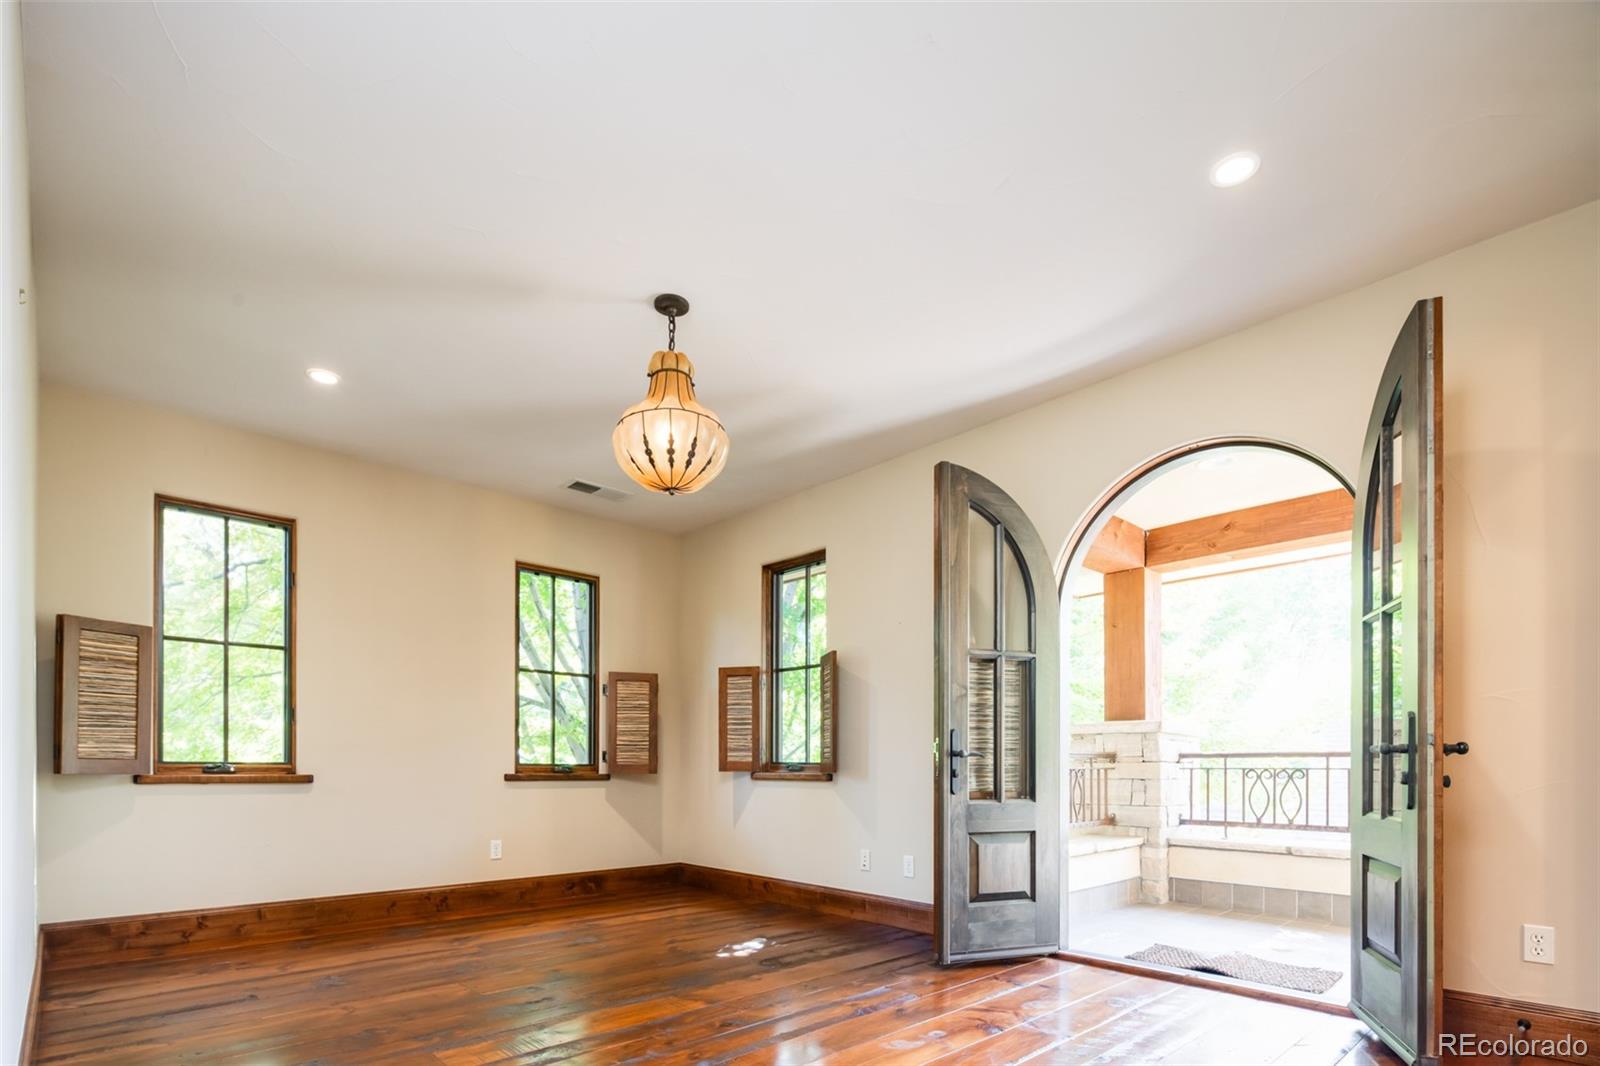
[866,859]
[908,866]
[494,849]
[1539,944]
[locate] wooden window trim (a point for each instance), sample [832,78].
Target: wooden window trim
[557,775]
[792,775]
[589,771]
[767,768]
[242,777]
[244,773]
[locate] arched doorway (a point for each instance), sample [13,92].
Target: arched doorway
[1205,605]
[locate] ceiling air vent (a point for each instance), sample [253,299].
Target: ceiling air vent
[599,492]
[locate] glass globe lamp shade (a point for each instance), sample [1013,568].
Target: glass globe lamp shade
[668,442]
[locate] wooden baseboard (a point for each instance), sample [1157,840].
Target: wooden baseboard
[30,1020]
[151,935]
[1492,1018]
[884,910]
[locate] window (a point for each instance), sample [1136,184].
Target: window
[795,607]
[557,669]
[225,638]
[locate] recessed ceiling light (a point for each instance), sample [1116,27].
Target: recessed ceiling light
[1235,169]
[322,377]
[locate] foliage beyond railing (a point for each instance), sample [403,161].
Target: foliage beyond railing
[1268,789]
[1088,790]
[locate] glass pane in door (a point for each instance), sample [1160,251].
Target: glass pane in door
[980,729]
[1396,724]
[980,580]
[1018,603]
[1372,545]
[1399,719]
[1396,501]
[1016,733]
[1373,733]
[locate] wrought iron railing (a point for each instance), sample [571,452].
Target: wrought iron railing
[1089,790]
[1268,789]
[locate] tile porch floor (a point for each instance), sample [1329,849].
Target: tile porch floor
[1298,941]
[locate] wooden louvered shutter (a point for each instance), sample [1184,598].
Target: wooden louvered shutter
[105,676]
[828,760]
[737,690]
[631,711]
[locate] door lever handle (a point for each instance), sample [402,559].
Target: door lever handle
[1458,748]
[955,753]
[1387,748]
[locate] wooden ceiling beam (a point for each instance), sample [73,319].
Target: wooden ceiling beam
[1120,546]
[1303,522]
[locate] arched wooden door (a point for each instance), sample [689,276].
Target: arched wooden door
[1396,779]
[997,748]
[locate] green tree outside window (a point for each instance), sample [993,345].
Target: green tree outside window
[223,619]
[555,669]
[800,635]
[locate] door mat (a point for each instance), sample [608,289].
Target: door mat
[1242,967]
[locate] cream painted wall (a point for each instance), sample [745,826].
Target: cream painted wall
[18,376]
[1522,457]
[405,647]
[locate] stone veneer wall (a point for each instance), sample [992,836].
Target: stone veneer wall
[1146,791]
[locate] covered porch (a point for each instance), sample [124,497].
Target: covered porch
[1193,839]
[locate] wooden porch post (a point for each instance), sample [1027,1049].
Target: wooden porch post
[1132,604]
[1133,645]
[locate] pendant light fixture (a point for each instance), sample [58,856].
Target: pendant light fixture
[668,442]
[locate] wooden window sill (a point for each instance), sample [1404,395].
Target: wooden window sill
[790,775]
[180,778]
[553,775]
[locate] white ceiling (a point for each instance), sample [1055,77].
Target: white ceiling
[894,222]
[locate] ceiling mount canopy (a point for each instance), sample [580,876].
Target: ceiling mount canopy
[668,442]
[672,305]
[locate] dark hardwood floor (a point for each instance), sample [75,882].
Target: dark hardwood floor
[678,975]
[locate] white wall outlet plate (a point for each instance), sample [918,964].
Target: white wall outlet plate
[1539,944]
[494,849]
[866,859]
[908,866]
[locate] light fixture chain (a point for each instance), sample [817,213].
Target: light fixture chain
[672,333]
